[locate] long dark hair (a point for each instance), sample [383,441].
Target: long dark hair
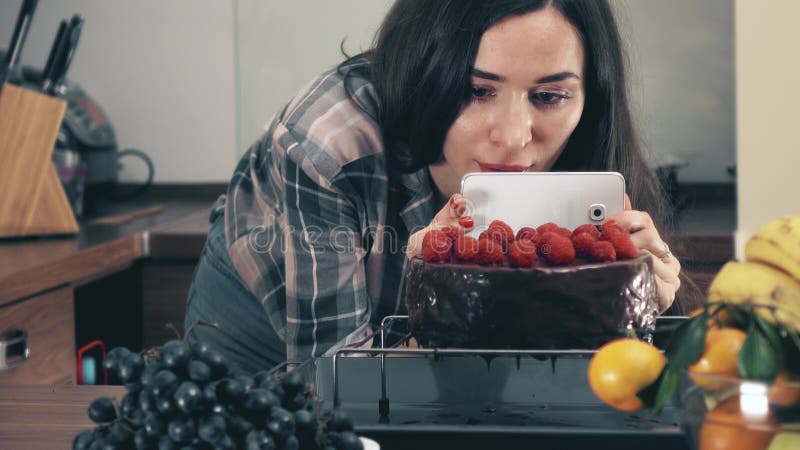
[421,62]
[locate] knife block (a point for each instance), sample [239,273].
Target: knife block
[32,200]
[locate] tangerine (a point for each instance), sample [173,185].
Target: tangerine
[725,427]
[721,318]
[622,368]
[722,346]
[785,390]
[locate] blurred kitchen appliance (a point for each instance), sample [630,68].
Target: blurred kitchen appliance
[87,130]
[72,173]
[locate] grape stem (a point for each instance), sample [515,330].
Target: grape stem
[191,327]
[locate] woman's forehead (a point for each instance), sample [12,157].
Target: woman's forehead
[531,45]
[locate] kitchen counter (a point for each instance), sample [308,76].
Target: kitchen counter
[46,417]
[33,265]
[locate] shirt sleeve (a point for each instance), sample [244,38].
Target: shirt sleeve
[327,302]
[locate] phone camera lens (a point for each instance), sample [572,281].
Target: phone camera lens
[597,212]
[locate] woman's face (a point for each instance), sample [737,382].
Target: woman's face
[525,100]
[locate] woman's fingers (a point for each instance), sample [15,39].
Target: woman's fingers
[666,292]
[452,214]
[645,237]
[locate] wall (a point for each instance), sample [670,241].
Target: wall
[283,45]
[768,73]
[163,71]
[682,73]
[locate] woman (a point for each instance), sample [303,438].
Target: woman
[306,251]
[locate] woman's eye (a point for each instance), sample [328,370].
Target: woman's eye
[547,98]
[480,93]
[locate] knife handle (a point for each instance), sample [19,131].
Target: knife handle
[48,66]
[73,35]
[20,33]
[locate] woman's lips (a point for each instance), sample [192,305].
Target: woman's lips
[485,167]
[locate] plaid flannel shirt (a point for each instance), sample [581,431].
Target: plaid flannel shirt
[315,224]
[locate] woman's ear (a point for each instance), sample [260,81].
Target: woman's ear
[628,205]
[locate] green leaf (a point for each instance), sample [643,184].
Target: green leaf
[656,395]
[757,360]
[770,331]
[687,343]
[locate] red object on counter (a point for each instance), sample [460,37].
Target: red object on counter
[86,348]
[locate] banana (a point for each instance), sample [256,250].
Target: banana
[777,244]
[758,284]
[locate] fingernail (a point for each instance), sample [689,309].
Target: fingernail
[466,222]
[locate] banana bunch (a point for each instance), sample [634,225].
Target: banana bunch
[770,275]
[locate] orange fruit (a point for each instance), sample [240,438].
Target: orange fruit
[719,356]
[623,367]
[725,427]
[721,317]
[785,390]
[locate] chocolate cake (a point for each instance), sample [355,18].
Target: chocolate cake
[576,307]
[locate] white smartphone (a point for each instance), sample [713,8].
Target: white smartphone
[531,199]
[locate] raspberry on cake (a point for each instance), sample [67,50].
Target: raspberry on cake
[527,233]
[556,249]
[436,246]
[522,253]
[465,248]
[490,252]
[583,244]
[500,232]
[587,228]
[452,232]
[623,245]
[602,251]
[611,228]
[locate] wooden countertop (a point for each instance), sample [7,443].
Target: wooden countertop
[47,416]
[35,265]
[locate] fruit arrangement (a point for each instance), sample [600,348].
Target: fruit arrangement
[187,397]
[746,337]
[548,244]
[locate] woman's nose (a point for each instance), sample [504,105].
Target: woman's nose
[512,128]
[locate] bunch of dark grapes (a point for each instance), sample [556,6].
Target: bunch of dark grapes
[187,397]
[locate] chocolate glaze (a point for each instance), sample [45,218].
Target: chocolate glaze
[580,307]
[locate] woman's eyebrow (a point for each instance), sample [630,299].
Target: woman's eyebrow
[557,77]
[545,79]
[486,75]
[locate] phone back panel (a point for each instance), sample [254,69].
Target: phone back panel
[534,198]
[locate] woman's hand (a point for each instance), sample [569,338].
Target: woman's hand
[646,238]
[451,215]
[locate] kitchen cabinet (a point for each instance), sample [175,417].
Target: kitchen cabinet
[48,320]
